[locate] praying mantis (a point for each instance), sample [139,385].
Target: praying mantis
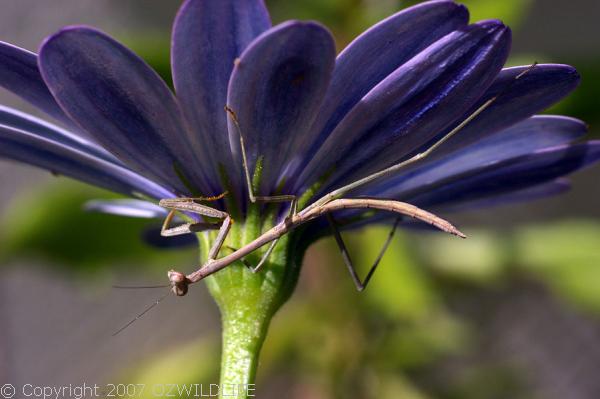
[324,206]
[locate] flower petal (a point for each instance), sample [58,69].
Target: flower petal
[411,105]
[20,75]
[127,207]
[483,139]
[123,103]
[21,121]
[60,159]
[531,135]
[517,99]
[544,190]
[521,178]
[516,173]
[208,35]
[276,89]
[375,54]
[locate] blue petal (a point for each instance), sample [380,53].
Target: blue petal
[517,99]
[276,89]
[516,173]
[531,135]
[544,190]
[19,74]
[409,107]
[127,207]
[21,121]
[60,159]
[208,35]
[374,55]
[521,178]
[124,104]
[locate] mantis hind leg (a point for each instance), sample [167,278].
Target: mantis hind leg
[360,285]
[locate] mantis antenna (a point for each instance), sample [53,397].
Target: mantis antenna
[136,287]
[136,318]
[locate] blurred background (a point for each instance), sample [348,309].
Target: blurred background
[514,311]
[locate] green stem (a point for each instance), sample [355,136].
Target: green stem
[246,311]
[243,336]
[247,302]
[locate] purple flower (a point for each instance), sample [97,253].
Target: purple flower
[311,122]
[313,119]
